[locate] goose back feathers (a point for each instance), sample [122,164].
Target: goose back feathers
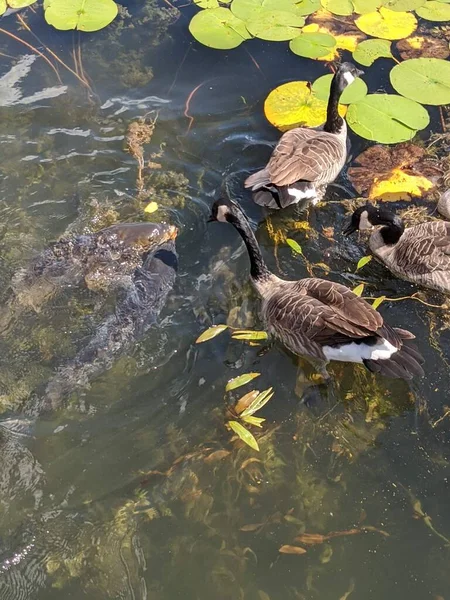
[322,319]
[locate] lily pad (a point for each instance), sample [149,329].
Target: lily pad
[363,7]
[403,5]
[218,28]
[368,51]
[387,24]
[18,3]
[387,118]
[294,105]
[425,80]
[419,46]
[249,10]
[434,11]
[312,45]
[346,36]
[307,7]
[85,15]
[353,93]
[338,7]
[3,6]
[275,25]
[211,3]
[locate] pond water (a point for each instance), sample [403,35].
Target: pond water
[134,489]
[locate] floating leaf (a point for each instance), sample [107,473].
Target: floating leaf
[151,207]
[358,290]
[211,3]
[245,435]
[338,7]
[293,105]
[241,380]
[245,401]
[346,36]
[211,333]
[19,3]
[434,11]
[251,420]
[399,185]
[3,6]
[363,7]
[376,303]
[423,46]
[248,10]
[248,334]
[379,164]
[286,549]
[352,93]
[307,7]
[218,28]
[276,25]
[85,15]
[262,399]
[368,51]
[312,45]
[425,80]
[387,24]
[294,245]
[362,262]
[387,118]
[403,5]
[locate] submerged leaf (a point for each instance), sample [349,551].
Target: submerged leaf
[368,51]
[251,420]
[245,401]
[387,118]
[245,435]
[363,261]
[356,91]
[151,207]
[434,11]
[425,80]
[248,334]
[286,549]
[376,303]
[311,539]
[85,15]
[312,45]
[262,399]
[294,245]
[358,290]
[241,380]
[387,24]
[210,333]
[218,28]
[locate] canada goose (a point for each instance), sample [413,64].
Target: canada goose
[306,160]
[420,254]
[443,205]
[321,319]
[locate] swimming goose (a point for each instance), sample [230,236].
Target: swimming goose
[321,319]
[306,160]
[420,254]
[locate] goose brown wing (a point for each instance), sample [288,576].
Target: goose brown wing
[424,248]
[306,154]
[312,313]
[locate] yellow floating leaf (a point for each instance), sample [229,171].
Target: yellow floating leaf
[376,303]
[262,399]
[251,420]
[244,434]
[241,380]
[294,105]
[210,333]
[151,207]
[387,24]
[358,290]
[249,334]
[363,262]
[399,185]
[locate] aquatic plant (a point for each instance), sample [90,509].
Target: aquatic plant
[313,32]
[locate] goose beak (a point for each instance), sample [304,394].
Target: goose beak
[359,72]
[349,229]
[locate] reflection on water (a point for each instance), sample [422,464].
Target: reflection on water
[133,489]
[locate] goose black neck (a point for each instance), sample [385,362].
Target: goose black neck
[334,121]
[392,231]
[258,268]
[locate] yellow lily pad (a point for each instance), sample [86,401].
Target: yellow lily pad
[399,185]
[387,24]
[293,104]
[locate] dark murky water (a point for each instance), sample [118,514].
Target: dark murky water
[119,494]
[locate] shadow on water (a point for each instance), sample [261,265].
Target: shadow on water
[133,489]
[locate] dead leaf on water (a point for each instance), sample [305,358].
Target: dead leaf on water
[286,549]
[241,380]
[245,401]
[216,456]
[420,46]
[344,31]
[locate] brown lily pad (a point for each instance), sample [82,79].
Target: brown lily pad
[420,46]
[394,173]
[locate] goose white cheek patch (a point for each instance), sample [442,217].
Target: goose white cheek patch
[349,78]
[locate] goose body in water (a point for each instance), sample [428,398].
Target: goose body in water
[306,160]
[420,254]
[321,319]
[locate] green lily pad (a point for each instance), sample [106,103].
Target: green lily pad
[353,93]
[434,11]
[275,25]
[363,7]
[211,3]
[368,51]
[85,15]
[3,6]
[338,7]
[312,45]
[18,3]
[308,7]
[425,80]
[403,5]
[249,10]
[218,28]
[387,118]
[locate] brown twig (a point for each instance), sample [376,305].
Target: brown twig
[187,106]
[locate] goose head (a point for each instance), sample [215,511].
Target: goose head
[369,216]
[225,210]
[346,74]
